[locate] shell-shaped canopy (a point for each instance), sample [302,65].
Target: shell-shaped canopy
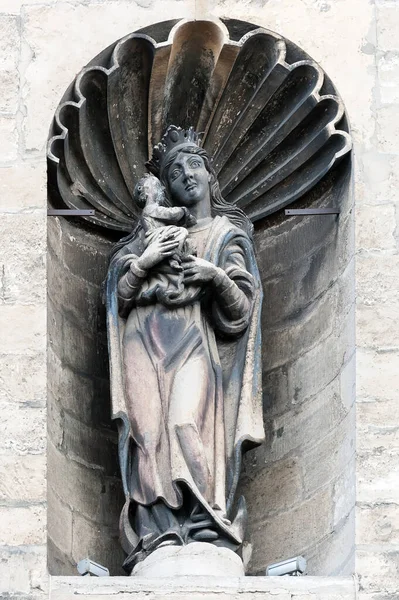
[270,118]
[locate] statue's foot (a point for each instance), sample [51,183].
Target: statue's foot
[205,535]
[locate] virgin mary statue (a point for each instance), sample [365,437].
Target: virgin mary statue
[185,367]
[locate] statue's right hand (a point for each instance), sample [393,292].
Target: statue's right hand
[157,251]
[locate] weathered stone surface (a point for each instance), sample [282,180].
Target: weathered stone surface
[22,329]
[9,55]
[273,539]
[375,228]
[23,526]
[22,572]
[330,355]
[378,175]
[59,523]
[377,277]
[377,476]
[23,429]
[197,588]
[23,260]
[335,555]
[198,559]
[377,524]
[388,23]
[378,569]
[380,413]
[23,478]
[23,378]
[330,455]
[97,541]
[379,325]
[378,375]
[388,128]
[81,486]
[388,77]
[9,138]
[273,490]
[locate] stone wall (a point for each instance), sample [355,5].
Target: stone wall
[43,45]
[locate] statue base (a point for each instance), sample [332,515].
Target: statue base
[197,558]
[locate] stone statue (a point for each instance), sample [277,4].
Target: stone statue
[183,304]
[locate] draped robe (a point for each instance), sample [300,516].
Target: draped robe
[186,390]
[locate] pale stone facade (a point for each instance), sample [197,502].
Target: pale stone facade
[43,45]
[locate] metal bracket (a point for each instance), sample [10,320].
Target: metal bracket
[64,212]
[311,211]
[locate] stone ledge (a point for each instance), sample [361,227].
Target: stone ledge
[203,588]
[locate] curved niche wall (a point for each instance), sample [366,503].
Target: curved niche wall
[279,135]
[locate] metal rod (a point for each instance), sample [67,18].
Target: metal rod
[52,212]
[312,211]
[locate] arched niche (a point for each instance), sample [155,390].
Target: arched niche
[278,130]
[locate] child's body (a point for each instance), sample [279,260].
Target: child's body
[149,194]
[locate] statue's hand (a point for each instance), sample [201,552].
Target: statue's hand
[198,270]
[161,248]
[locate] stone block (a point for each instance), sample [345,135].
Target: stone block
[378,325]
[388,77]
[9,139]
[377,570]
[275,392]
[375,228]
[378,177]
[307,423]
[388,128]
[85,255]
[205,588]
[18,571]
[335,555]
[23,258]
[55,420]
[344,494]
[316,369]
[347,384]
[285,535]
[378,476]
[23,429]
[381,413]
[78,486]
[286,343]
[96,447]
[23,378]
[59,522]
[377,279]
[9,55]
[71,391]
[377,375]
[23,329]
[23,526]
[272,490]
[377,524]
[72,296]
[59,563]
[23,478]
[99,542]
[330,455]
[50,73]
[387,26]
[79,349]
[23,187]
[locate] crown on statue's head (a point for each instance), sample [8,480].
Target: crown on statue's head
[174,139]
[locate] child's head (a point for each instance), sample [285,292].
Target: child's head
[149,188]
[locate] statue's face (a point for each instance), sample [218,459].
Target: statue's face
[188,179]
